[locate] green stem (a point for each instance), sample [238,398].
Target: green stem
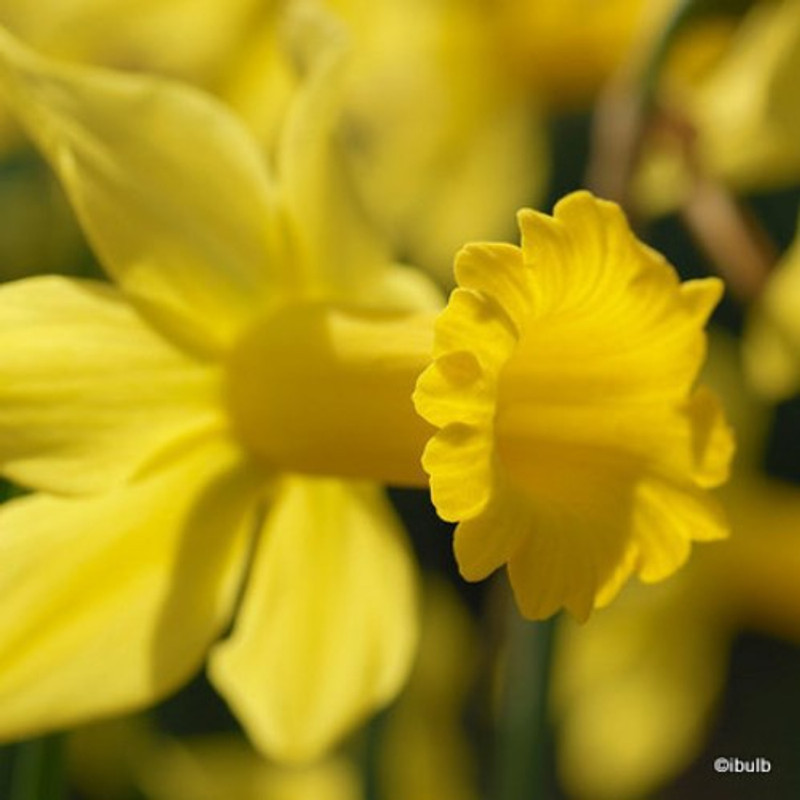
[38,770]
[524,757]
[372,755]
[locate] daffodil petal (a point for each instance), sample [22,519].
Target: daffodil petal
[772,337]
[88,392]
[459,460]
[341,255]
[328,623]
[668,518]
[168,185]
[111,602]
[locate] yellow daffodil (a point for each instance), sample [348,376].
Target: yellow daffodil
[634,688]
[183,428]
[572,444]
[772,336]
[564,50]
[741,109]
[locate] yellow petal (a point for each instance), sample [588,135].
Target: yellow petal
[668,518]
[112,602]
[488,540]
[425,751]
[746,111]
[328,624]
[459,460]
[427,184]
[190,38]
[772,337]
[88,392]
[168,185]
[340,254]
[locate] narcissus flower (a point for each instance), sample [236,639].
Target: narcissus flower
[772,336]
[572,444]
[565,50]
[742,110]
[184,427]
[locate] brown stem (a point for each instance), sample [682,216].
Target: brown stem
[736,244]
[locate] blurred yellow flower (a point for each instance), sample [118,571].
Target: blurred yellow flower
[634,688]
[179,428]
[772,336]
[741,108]
[443,144]
[565,50]
[572,445]
[188,39]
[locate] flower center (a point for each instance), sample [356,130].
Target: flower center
[324,390]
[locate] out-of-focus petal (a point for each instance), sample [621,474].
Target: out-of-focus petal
[425,749]
[111,602]
[477,149]
[340,256]
[170,188]
[327,628]
[88,391]
[772,336]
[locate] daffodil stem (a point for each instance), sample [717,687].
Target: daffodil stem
[38,770]
[372,751]
[524,755]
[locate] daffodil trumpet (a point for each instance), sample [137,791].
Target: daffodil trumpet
[573,444]
[325,390]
